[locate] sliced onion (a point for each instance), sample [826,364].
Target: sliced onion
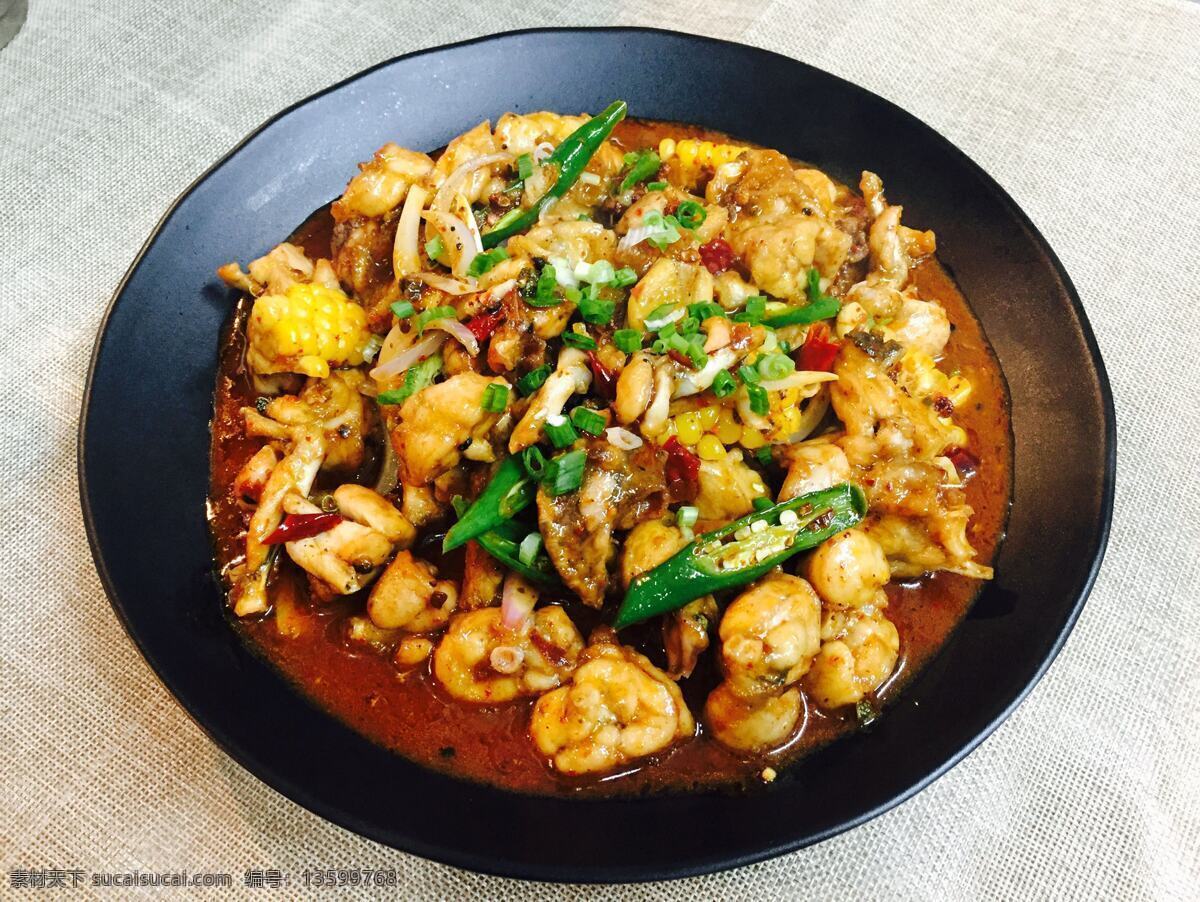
[500,289]
[457,238]
[798,379]
[458,331]
[461,207]
[402,361]
[542,151]
[405,258]
[634,236]
[516,602]
[690,383]
[445,194]
[447,284]
[622,438]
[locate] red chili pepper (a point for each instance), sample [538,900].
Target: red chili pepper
[302,526]
[682,464]
[717,256]
[964,461]
[681,359]
[483,325]
[817,352]
[606,379]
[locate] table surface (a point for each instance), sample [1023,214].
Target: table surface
[1087,113]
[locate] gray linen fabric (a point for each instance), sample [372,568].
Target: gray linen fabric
[1088,113]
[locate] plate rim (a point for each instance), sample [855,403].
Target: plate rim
[549,872]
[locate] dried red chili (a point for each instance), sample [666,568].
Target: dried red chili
[717,256]
[302,526]
[483,325]
[818,352]
[605,379]
[682,465]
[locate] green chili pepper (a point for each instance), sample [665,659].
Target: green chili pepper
[820,306]
[509,492]
[504,544]
[570,157]
[709,563]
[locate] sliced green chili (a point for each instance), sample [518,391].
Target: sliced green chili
[743,551]
[509,492]
[570,158]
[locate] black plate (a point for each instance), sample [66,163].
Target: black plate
[144,438]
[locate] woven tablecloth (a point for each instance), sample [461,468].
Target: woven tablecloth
[1088,114]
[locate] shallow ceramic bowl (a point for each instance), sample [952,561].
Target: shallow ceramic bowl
[144,441]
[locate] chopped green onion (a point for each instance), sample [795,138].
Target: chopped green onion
[642,166]
[689,325]
[560,431]
[749,375]
[524,166]
[696,354]
[664,230]
[667,332]
[416,377]
[434,248]
[705,310]
[764,456]
[534,461]
[546,293]
[678,343]
[756,306]
[599,273]
[690,214]
[434,313]
[762,502]
[583,217]
[484,262]
[565,472]
[574,295]
[579,340]
[495,398]
[723,384]
[597,312]
[529,548]
[624,277]
[775,366]
[627,340]
[587,420]
[759,403]
[532,381]
[687,516]
[659,347]
[656,186]
[662,315]
[403,309]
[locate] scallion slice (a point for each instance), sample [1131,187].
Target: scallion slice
[596,311]
[532,381]
[588,420]
[723,384]
[528,550]
[627,340]
[495,398]
[534,462]
[565,472]
[690,214]
[560,432]
[434,313]
[759,403]
[403,309]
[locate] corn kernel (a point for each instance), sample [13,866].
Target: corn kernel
[710,448]
[304,330]
[708,416]
[752,438]
[729,430]
[687,427]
